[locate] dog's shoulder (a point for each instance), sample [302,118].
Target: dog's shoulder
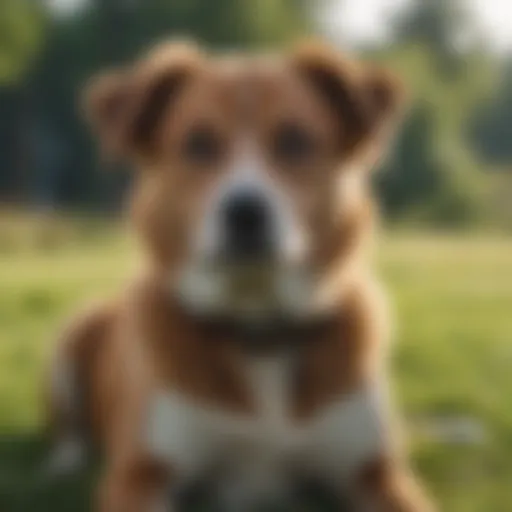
[352,351]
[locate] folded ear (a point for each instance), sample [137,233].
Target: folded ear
[365,102]
[125,107]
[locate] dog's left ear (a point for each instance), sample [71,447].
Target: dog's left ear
[366,102]
[125,107]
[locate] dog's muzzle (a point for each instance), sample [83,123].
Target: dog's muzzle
[246,220]
[244,264]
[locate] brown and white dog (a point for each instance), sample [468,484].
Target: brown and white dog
[251,350]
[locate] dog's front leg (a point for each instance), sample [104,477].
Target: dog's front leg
[138,486]
[389,486]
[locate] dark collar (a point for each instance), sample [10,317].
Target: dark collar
[268,334]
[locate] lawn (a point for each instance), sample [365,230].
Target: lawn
[452,360]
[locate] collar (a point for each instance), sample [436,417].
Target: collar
[266,335]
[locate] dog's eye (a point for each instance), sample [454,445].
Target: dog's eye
[202,145]
[293,143]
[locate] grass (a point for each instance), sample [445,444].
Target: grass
[452,362]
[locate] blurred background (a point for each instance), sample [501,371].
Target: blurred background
[446,192]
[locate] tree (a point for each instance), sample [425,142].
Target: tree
[108,33]
[432,164]
[21,38]
[446,27]
[22,25]
[491,128]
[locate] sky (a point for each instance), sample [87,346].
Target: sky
[366,20]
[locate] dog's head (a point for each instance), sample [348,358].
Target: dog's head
[252,170]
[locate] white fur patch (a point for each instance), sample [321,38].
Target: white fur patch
[248,172]
[205,285]
[348,434]
[255,456]
[205,291]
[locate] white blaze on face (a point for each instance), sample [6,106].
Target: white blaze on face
[259,455]
[206,282]
[247,173]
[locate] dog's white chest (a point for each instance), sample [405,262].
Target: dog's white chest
[271,382]
[194,435]
[258,453]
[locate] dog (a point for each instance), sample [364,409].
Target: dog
[250,349]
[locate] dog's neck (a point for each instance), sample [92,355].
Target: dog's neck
[204,357]
[266,336]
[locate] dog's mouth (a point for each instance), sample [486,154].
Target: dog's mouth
[262,308]
[252,291]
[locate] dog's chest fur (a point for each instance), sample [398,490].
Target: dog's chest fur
[259,454]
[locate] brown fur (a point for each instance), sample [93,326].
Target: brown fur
[392,486]
[144,339]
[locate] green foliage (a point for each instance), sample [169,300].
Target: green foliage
[414,175]
[491,126]
[61,167]
[21,37]
[433,174]
[457,115]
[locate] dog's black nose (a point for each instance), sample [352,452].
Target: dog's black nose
[248,223]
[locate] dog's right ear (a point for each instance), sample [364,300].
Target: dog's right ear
[367,103]
[125,107]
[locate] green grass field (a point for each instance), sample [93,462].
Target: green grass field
[452,360]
